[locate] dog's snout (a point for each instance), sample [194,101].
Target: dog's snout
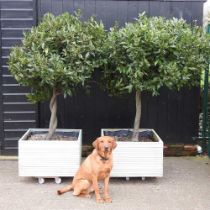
[106,147]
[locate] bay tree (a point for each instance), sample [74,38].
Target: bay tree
[57,57]
[150,53]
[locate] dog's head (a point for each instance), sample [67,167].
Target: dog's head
[104,145]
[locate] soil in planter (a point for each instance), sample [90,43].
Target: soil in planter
[126,135]
[59,136]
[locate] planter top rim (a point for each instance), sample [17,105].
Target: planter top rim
[133,142]
[140,129]
[59,129]
[31,130]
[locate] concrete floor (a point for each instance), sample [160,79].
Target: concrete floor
[185,186]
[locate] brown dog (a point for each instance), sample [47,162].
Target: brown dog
[97,166]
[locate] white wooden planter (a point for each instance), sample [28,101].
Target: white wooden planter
[49,158]
[138,159]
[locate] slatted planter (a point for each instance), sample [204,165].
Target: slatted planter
[49,158]
[138,159]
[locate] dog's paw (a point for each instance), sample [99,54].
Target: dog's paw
[108,200]
[87,195]
[100,200]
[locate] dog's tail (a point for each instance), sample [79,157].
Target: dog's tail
[65,189]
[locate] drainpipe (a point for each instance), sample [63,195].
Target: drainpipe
[205,117]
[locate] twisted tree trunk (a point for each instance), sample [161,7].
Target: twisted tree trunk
[137,116]
[53,118]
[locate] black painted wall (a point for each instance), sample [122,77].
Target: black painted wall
[174,115]
[16,113]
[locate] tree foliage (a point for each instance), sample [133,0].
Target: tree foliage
[60,53]
[153,52]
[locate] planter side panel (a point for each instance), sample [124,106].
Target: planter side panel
[49,158]
[138,161]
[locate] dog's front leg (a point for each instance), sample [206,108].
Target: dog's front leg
[96,189]
[107,197]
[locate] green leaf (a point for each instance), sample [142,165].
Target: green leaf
[152,52]
[61,52]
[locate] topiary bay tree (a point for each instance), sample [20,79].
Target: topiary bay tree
[56,57]
[153,52]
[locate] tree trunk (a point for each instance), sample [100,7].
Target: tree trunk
[137,116]
[53,118]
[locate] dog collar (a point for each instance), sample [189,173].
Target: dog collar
[103,158]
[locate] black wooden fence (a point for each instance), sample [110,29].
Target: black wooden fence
[173,114]
[16,114]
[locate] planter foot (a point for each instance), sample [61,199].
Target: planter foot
[143,178]
[41,180]
[127,178]
[58,180]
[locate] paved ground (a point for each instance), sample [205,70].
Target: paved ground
[185,186]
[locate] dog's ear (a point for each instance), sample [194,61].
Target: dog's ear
[114,144]
[95,144]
